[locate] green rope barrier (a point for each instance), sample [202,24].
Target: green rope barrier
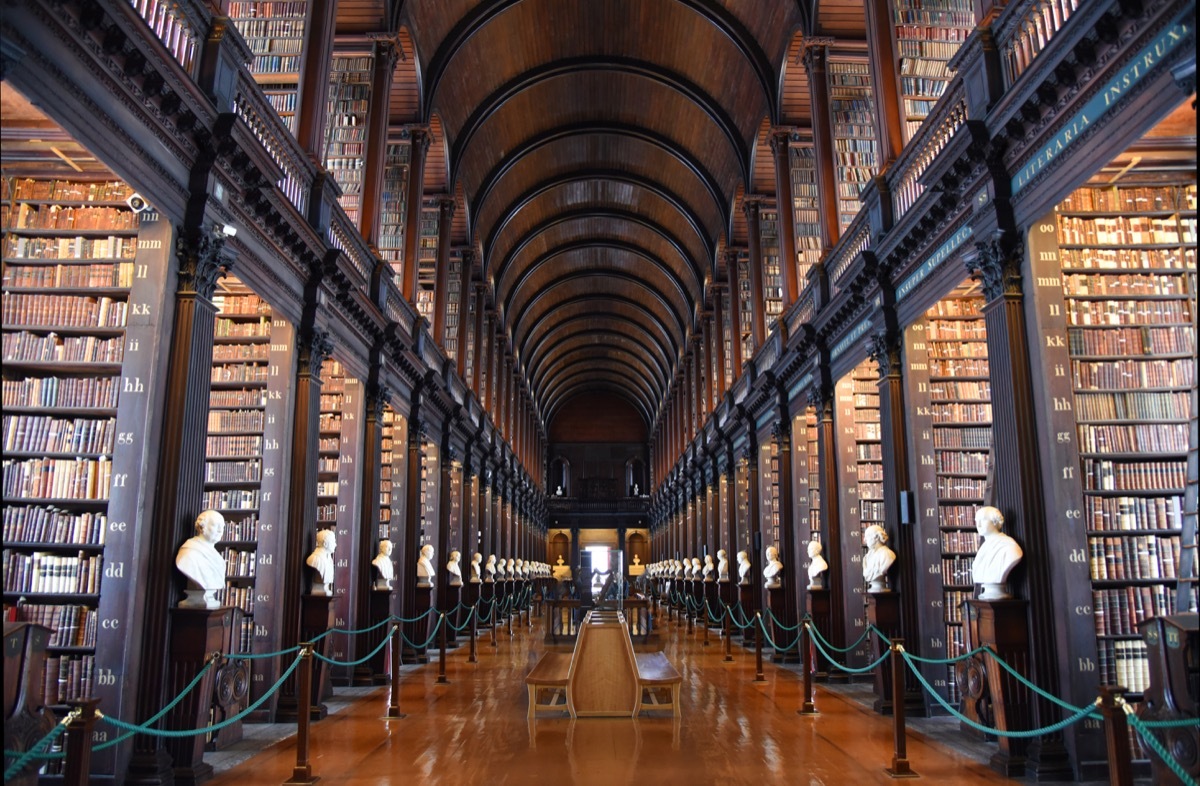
[818,637]
[417,618]
[1020,678]
[956,659]
[207,729]
[252,656]
[377,625]
[466,622]
[1170,724]
[1143,729]
[36,750]
[428,641]
[850,669]
[882,636]
[361,660]
[1080,713]
[775,621]
[771,641]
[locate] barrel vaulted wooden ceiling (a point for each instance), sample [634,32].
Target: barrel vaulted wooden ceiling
[600,150]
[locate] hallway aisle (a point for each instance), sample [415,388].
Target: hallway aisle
[733,732]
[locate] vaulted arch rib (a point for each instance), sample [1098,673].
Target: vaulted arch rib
[535,326]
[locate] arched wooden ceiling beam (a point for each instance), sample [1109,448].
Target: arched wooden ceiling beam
[585,327]
[566,355]
[583,376]
[623,65]
[514,156]
[605,176]
[720,17]
[681,288]
[609,213]
[535,328]
[597,384]
[682,319]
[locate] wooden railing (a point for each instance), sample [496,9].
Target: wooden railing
[1025,29]
[936,132]
[179,26]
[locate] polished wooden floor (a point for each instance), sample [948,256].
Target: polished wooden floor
[733,731]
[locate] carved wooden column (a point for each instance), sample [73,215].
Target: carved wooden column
[1018,488]
[718,336]
[752,207]
[407,578]
[735,312]
[885,82]
[481,343]
[419,140]
[316,55]
[787,216]
[789,546]
[314,347]
[837,580]
[441,287]
[445,598]
[180,484]
[465,294]
[386,54]
[815,59]
[362,578]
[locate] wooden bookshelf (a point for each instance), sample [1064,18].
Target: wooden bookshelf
[453,305]
[806,207]
[346,125]
[79,380]
[772,271]
[860,446]
[391,216]
[274,30]
[748,306]
[950,392]
[427,251]
[852,117]
[928,33]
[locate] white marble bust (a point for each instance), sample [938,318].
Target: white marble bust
[816,565]
[454,569]
[321,561]
[697,568]
[476,563]
[199,560]
[425,566]
[998,554]
[490,569]
[519,571]
[722,565]
[501,568]
[512,569]
[878,560]
[773,569]
[385,571]
[708,567]
[743,559]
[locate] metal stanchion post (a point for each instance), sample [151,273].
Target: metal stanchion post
[706,623]
[494,623]
[1116,736]
[302,774]
[441,678]
[758,669]
[393,710]
[79,742]
[808,708]
[899,768]
[510,616]
[727,623]
[689,620]
[474,632]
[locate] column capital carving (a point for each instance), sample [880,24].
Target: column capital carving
[446,206]
[200,262]
[885,351]
[315,349]
[418,136]
[779,139]
[998,265]
[752,205]
[813,50]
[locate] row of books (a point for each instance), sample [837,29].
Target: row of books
[327,488]
[247,471]
[952,605]
[45,524]
[239,445]
[265,63]
[1134,373]
[25,347]
[960,542]
[1157,438]
[870,471]
[70,248]
[241,529]
[1106,475]
[957,349]
[267,9]
[71,626]
[27,310]
[1132,405]
[870,490]
[1119,611]
[69,190]
[926,48]
[868,431]
[1149,259]
[1124,230]
[327,464]
[959,462]
[43,434]
[867,400]
[46,572]
[1130,199]
[270,28]
[64,392]
[870,451]
[928,33]
[235,398]
[957,571]
[238,595]
[1177,340]
[958,515]
[30,216]
[282,102]
[81,276]
[231,499]
[328,422]
[1134,513]
[1125,284]
[240,564]
[960,488]
[934,72]
[1117,558]
[871,510]
[954,367]
[965,437]
[241,352]
[1124,663]
[227,328]
[945,391]
[79,479]
[1127,312]
[956,330]
[239,373]
[959,412]
[69,677]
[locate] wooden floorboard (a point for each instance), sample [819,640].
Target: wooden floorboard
[733,731]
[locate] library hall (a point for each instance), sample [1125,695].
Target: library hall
[599,392]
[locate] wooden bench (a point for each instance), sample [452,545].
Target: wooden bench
[549,674]
[656,675]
